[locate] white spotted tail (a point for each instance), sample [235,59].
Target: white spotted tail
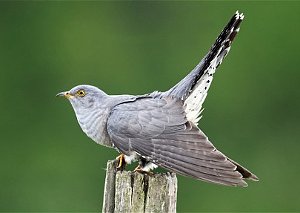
[193,88]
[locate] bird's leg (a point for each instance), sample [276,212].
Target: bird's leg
[138,169]
[143,168]
[121,163]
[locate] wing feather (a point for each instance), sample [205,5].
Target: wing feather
[158,130]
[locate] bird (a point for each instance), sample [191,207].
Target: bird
[160,129]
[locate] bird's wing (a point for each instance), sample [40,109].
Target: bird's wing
[157,129]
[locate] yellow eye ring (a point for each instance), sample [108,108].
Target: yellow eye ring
[80,93]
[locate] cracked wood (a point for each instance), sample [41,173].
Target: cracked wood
[128,191]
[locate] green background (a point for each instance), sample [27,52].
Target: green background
[251,113]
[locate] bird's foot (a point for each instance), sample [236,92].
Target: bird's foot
[121,163]
[139,169]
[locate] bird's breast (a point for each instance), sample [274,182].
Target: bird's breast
[93,124]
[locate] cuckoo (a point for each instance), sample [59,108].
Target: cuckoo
[161,128]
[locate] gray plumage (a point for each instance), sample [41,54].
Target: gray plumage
[161,128]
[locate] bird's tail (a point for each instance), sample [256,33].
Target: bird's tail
[193,88]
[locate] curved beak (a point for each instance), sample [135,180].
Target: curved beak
[64,94]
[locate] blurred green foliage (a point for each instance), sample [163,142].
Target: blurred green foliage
[252,110]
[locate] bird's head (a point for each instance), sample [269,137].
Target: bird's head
[83,96]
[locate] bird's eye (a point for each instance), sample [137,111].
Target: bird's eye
[81,93]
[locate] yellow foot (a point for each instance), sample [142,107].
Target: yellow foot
[121,161]
[139,169]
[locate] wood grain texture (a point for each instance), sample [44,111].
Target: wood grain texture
[128,191]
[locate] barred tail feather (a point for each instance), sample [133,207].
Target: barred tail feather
[193,88]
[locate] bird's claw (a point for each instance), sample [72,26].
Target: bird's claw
[121,162]
[139,169]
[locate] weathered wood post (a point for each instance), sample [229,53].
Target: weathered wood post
[127,191]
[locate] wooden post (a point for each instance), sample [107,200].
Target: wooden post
[127,191]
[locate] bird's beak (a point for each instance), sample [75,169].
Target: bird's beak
[64,94]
